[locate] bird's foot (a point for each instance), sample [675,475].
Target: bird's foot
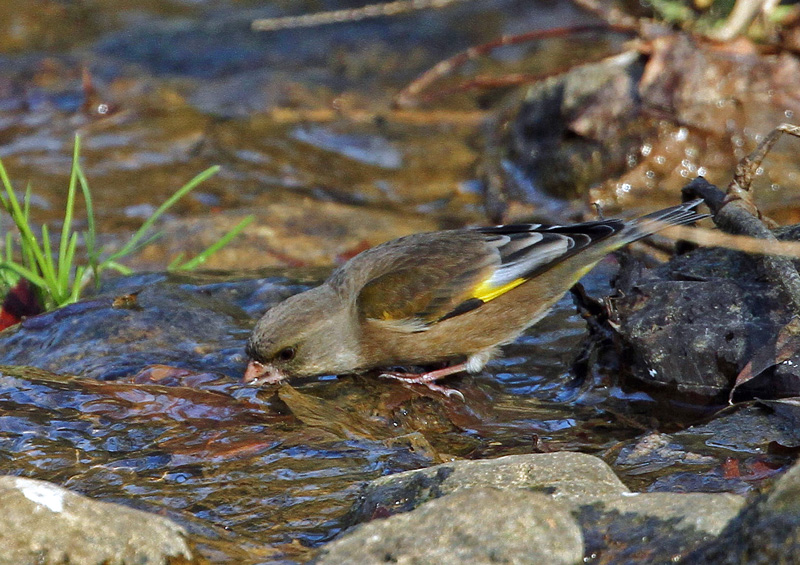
[428,379]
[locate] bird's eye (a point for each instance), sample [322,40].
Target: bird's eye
[286,354]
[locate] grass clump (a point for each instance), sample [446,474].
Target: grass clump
[52,267]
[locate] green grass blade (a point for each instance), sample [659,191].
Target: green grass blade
[175,264]
[9,247]
[139,245]
[185,189]
[28,257]
[64,268]
[119,267]
[9,277]
[25,274]
[71,292]
[90,236]
[71,269]
[47,267]
[26,207]
[223,241]
[28,242]
[77,286]
[7,186]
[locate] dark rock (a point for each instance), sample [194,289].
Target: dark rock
[624,537]
[750,427]
[657,451]
[43,523]
[578,127]
[694,323]
[187,322]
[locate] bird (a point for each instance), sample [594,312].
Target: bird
[448,299]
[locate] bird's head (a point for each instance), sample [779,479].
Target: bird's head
[309,334]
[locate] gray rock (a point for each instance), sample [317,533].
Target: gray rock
[661,524]
[704,512]
[786,493]
[473,525]
[766,532]
[575,477]
[43,523]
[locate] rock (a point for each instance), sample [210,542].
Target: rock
[696,335]
[695,323]
[103,339]
[701,511]
[473,525]
[662,524]
[593,128]
[575,477]
[44,523]
[766,532]
[193,321]
[577,127]
[655,451]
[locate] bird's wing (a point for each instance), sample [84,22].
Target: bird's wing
[422,278]
[439,276]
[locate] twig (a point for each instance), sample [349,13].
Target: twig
[409,95]
[740,18]
[738,214]
[353,15]
[608,12]
[746,243]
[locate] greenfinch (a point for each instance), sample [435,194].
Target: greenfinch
[448,298]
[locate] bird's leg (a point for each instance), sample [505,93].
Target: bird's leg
[429,377]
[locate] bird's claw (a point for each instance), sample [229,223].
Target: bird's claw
[423,379]
[448,392]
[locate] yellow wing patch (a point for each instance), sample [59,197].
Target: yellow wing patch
[487,291]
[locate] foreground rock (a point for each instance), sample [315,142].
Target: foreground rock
[766,532]
[43,523]
[466,527]
[554,508]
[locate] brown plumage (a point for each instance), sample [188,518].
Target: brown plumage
[436,297]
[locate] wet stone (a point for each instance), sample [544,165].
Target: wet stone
[581,484]
[558,137]
[766,532]
[694,324]
[593,128]
[751,427]
[657,451]
[571,476]
[473,525]
[43,523]
[176,320]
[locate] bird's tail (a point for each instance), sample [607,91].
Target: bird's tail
[651,223]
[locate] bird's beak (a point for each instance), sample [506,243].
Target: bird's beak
[258,374]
